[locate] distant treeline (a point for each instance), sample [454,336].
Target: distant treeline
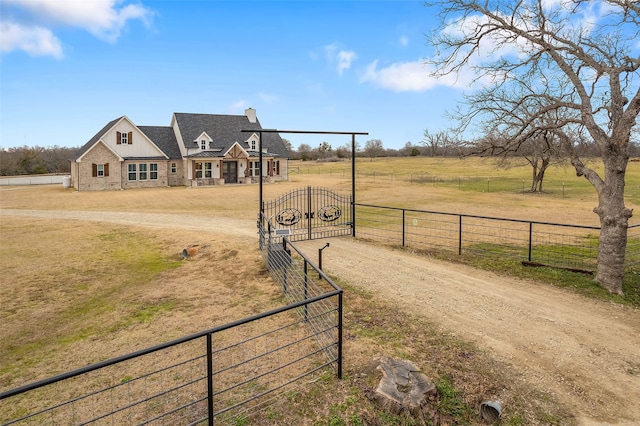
[35,160]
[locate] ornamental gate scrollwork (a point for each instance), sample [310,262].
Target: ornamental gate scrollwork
[310,213]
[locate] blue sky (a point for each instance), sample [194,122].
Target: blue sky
[69,67]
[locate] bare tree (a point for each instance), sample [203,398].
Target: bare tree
[287,145]
[439,143]
[540,153]
[409,150]
[305,151]
[373,148]
[56,158]
[344,150]
[576,61]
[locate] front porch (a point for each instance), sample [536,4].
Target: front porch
[205,182]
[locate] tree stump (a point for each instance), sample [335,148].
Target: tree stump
[402,387]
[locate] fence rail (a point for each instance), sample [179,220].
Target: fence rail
[222,375]
[552,244]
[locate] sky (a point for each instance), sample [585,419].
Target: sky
[69,67]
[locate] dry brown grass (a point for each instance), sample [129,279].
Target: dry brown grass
[73,292]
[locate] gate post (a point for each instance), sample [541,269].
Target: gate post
[306,292]
[309,213]
[353,185]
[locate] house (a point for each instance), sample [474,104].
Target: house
[195,150]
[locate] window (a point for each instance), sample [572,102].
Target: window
[153,171]
[124,138]
[207,170]
[253,145]
[203,144]
[198,170]
[174,168]
[142,169]
[100,170]
[132,172]
[255,168]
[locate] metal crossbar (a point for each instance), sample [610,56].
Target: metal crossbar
[550,244]
[221,375]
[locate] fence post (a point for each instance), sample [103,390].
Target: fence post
[403,216]
[209,379]
[340,335]
[309,210]
[284,268]
[306,284]
[530,238]
[459,235]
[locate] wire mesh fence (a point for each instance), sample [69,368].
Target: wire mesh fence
[224,375]
[558,245]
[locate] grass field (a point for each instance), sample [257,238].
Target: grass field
[76,292]
[468,175]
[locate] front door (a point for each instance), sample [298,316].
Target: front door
[230,171]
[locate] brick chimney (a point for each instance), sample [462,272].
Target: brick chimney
[251,115]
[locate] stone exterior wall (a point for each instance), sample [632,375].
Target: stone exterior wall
[179,177]
[82,173]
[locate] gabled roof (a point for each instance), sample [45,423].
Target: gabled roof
[225,130]
[87,146]
[164,138]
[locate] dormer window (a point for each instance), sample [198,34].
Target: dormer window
[203,141]
[253,145]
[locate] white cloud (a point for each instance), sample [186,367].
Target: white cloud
[36,41]
[238,107]
[344,60]
[336,56]
[105,19]
[412,77]
[266,98]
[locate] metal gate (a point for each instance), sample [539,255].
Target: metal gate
[310,213]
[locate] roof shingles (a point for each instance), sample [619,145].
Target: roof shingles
[225,130]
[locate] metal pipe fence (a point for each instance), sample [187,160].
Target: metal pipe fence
[551,244]
[222,375]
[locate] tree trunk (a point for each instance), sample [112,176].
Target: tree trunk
[538,174]
[614,222]
[543,169]
[534,166]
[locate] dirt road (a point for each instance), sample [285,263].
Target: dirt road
[585,352]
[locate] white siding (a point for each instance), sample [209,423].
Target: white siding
[141,146]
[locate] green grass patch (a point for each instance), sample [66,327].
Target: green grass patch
[100,292]
[450,402]
[511,265]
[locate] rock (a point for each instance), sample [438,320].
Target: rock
[192,250]
[402,387]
